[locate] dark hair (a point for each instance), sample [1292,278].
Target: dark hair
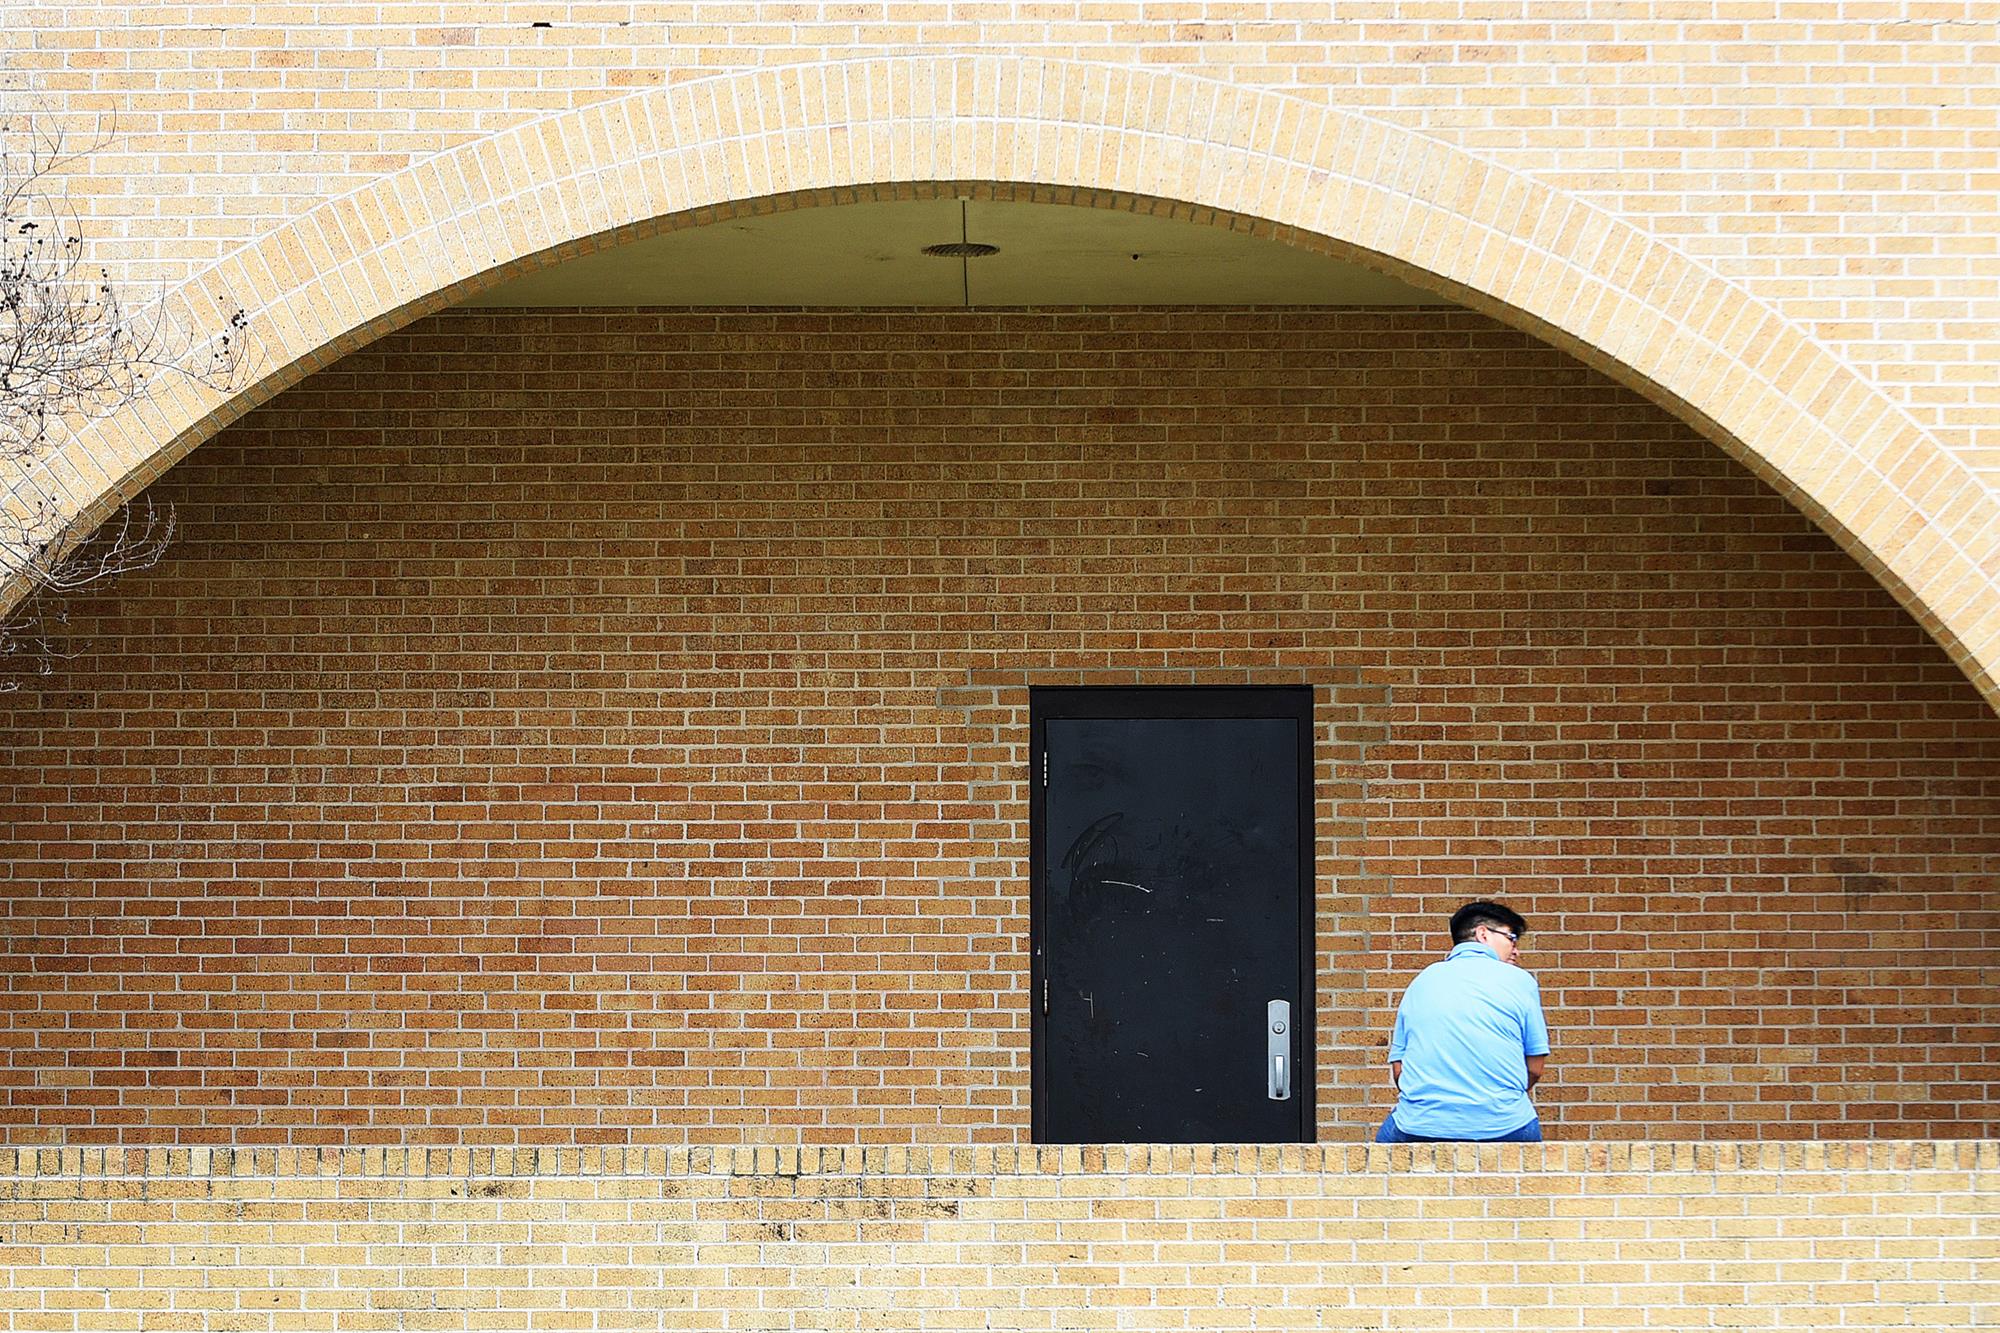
[1473,915]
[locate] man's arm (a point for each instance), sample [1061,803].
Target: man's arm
[1535,1033]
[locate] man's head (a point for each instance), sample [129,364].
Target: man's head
[1498,928]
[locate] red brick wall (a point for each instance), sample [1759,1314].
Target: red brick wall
[606,728]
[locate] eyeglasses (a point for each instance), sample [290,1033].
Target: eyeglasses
[1504,933]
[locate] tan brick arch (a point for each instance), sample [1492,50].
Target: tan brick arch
[1344,184]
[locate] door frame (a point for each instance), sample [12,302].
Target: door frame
[1171,701]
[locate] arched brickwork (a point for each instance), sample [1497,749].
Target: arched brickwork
[1103,136]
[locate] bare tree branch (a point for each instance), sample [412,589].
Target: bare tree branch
[72,351]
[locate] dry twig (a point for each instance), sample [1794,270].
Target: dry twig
[71,351]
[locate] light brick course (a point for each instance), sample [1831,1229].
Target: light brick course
[1611,1237]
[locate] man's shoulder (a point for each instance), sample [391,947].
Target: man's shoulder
[1432,974]
[1510,975]
[1481,970]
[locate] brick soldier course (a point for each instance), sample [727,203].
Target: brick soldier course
[547,847]
[1562,1236]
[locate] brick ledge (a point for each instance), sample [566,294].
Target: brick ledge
[1116,1160]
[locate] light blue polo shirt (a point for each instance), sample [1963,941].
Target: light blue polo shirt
[1463,1032]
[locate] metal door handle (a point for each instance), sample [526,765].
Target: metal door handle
[1278,1050]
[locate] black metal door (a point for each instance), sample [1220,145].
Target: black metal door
[1172,845]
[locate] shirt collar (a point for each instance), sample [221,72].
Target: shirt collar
[1472,947]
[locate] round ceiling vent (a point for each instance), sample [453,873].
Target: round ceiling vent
[962,250]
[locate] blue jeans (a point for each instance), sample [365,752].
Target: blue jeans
[1528,1133]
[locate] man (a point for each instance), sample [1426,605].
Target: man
[1470,1039]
